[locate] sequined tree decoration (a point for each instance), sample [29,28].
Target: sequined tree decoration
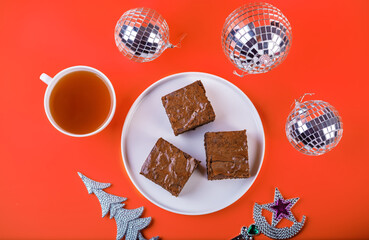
[129,223]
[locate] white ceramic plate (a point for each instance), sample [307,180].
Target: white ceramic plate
[147,121]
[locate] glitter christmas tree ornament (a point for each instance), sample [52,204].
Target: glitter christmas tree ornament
[281,208]
[129,223]
[256,38]
[314,127]
[142,34]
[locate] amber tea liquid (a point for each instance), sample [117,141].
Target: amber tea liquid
[80,102]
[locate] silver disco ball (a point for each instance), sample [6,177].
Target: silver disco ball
[256,37]
[142,34]
[314,127]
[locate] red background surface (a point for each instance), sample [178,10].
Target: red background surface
[42,196]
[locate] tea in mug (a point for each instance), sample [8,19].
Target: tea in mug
[80,102]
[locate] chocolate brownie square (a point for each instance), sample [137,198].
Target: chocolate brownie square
[188,108]
[227,155]
[168,166]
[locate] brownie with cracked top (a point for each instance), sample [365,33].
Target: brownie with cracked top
[168,166]
[188,108]
[227,155]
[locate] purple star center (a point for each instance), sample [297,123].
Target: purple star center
[281,208]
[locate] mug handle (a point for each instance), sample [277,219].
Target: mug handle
[46,78]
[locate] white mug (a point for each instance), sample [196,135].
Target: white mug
[51,82]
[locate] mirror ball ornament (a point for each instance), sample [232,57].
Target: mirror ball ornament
[256,38]
[142,34]
[314,127]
